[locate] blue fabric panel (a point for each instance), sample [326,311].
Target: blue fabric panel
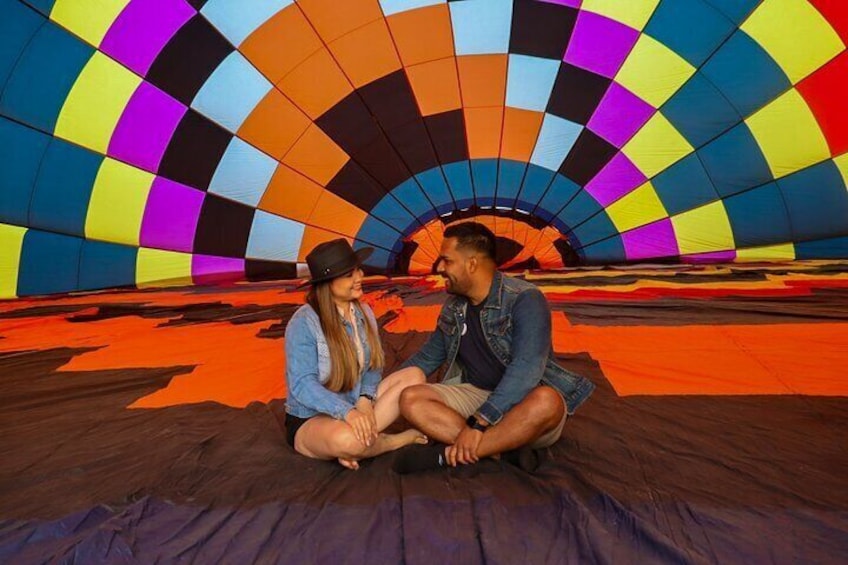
[758,217]
[735,162]
[273,238]
[597,228]
[699,111]
[381,259]
[409,192]
[22,151]
[384,239]
[63,189]
[684,186]
[529,82]
[459,179]
[510,176]
[833,248]
[536,182]
[232,92]
[49,263]
[556,138]
[736,10]
[17,26]
[745,74]
[579,210]
[43,77]
[560,193]
[481,26]
[237,20]
[604,252]
[106,265]
[817,202]
[243,173]
[692,29]
[485,175]
[434,186]
[43,6]
[395,6]
[391,212]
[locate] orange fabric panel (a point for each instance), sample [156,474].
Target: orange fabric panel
[316,156]
[482,80]
[714,360]
[274,125]
[312,236]
[520,131]
[338,213]
[333,19]
[422,35]
[282,43]
[291,195]
[415,318]
[483,131]
[367,53]
[316,85]
[435,85]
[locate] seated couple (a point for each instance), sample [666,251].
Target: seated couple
[502,393]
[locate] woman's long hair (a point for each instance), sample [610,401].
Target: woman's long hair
[344,365]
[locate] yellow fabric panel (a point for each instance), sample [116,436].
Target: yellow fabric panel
[89,19]
[703,229]
[653,72]
[95,103]
[11,243]
[781,252]
[795,34]
[117,203]
[842,165]
[154,267]
[788,134]
[634,13]
[639,207]
[656,146]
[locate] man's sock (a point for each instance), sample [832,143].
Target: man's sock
[417,458]
[525,458]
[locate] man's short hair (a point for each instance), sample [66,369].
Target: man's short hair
[475,236]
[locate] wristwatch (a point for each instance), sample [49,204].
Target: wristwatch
[475,424]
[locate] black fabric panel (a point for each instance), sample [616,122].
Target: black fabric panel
[355,186]
[412,142]
[189,59]
[447,130]
[576,93]
[194,151]
[391,101]
[541,29]
[381,161]
[223,228]
[197,4]
[350,124]
[589,155]
[257,270]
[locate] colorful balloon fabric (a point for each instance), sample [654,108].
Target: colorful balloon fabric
[171,141]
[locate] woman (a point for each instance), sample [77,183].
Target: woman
[337,406]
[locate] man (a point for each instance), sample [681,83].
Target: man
[503,390]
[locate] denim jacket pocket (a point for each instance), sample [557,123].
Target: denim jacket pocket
[446,325]
[500,327]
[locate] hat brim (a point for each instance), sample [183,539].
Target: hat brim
[361,256]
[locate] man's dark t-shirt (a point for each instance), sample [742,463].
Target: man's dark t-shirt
[482,367]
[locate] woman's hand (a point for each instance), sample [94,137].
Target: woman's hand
[363,423]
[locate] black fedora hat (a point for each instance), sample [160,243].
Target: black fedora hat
[333,259]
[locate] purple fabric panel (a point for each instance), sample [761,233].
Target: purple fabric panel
[713,257]
[620,115]
[572,3]
[142,29]
[599,44]
[145,128]
[653,240]
[209,269]
[170,217]
[619,177]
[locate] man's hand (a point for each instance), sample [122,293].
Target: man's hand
[363,423]
[464,449]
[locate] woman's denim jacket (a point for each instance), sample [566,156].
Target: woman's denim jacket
[516,321]
[308,366]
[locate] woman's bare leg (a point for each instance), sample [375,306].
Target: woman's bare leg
[387,405]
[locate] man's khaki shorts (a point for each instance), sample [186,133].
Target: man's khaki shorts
[466,399]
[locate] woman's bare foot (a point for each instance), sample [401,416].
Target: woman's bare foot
[351,464]
[408,437]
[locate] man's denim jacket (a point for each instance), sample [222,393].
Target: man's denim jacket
[516,321]
[308,366]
